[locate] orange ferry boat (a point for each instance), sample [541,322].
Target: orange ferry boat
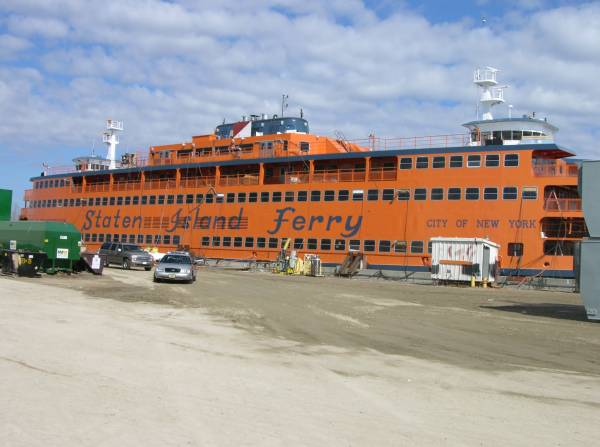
[242,191]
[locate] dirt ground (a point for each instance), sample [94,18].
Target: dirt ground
[248,358]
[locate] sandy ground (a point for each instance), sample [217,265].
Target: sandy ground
[242,358]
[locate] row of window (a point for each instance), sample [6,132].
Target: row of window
[420,162]
[343,195]
[514,249]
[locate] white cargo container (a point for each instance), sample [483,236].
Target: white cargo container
[461,259]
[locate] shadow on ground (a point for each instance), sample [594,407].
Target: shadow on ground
[551,310]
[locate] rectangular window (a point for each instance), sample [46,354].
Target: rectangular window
[315,196]
[237,241]
[422,162]
[404,194]
[205,241]
[420,194]
[176,240]
[216,241]
[111,201]
[472,194]
[289,196]
[329,196]
[326,244]
[490,193]
[261,242]
[166,239]
[369,245]
[241,197]
[529,193]
[253,197]
[140,238]
[152,200]
[209,198]
[249,243]
[515,249]
[511,160]
[559,248]
[219,198]
[132,238]
[157,239]
[170,199]
[230,197]
[311,244]
[492,161]
[189,198]
[135,200]
[437,193]
[161,200]
[510,193]
[429,247]
[406,163]
[226,241]
[272,242]
[357,195]
[385,246]
[343,195]
[276,196]
[119,201]
[388,194]
[340,245]
[453,193]
[99,201]
[148,239]
[456,161]
[438,162]
[416,247]
[399,246]
[354,244]
[474,161]
[179,200]
[302,196]
[298,243]
[199,198]
[373,194]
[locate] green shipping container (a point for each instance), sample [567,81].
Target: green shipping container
[60,241]
[5,204]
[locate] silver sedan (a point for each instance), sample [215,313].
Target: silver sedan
[175,267]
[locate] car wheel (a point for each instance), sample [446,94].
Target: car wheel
[126,265]
[147,268]
[155,279]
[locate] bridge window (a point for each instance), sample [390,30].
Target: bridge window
[529,193]
[456,161]
[511,160]
[490,193]
[510,193]
[515,249]
[422,162]
[438,162]
[406,163]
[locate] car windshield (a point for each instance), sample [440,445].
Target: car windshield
[131,247]
[175,259]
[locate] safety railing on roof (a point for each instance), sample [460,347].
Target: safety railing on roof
[197,182]
[425,142]
[238,179]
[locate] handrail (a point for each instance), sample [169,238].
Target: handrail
[562,204]
[554,168]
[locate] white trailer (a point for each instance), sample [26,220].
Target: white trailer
[464,259]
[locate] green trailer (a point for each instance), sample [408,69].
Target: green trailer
[59,240]
[5,204]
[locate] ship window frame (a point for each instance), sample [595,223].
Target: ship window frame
[487,190]
[249,242]
[420,194]
[388,195]
[219,198]
[176,240]
[152,200]
[238,242]
[329,195]
[199,198]
[273,242]
[405,163]
[276,196]
[417,247]
[298,243]
[384,246]
[227,241]
[241,197]
[325,244]
[372,195]
[343,195]
[504,193]
[422,162]
[302,196]
[160,199]
[490,162]
[403,194]
[179,199]
[526,190]
[216,241]
[209,198]
[170,199]
[369,245]
[265,196]
[339,245]
[289,196]
[400,247]
[474,161]
[566,247]
[436,191]
[135,200]
[513,163]
[515,249]
[127,201]
[252,197]
[456,161]
[435,162]
[120,201]
[358,195]
[315,196]
[451,193]
[354,244]
[189,199]
[261,242]
[472,193]
[230,197]
[205,241]
[311,243]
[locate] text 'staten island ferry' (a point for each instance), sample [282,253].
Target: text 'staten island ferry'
[241,192]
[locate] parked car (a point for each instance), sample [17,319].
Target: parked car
[175,266]
[126,255]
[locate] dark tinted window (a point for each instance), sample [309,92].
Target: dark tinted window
[511,160]
[438,162]
[343,195]
[315,196]
[388,194]
[289,196]
[437,193]
[472,194]
[369,245]
[373,194]
[492,160]
[510,193]
[515,249]
[253,197]
[456,161]
[340,245]
[403,194]
[490,193]
[420,194]
[406,163]
[276,196]
[329,196]
[416,247]
[453,193]
[302,196]
[422,162]
[264,196]
[385,246]
[325,244]
[311,244]
[241,197]
[230,197]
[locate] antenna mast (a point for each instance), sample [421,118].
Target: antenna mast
[111,139]
[491,95]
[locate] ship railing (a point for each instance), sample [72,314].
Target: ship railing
[385,174]
[562,204]
[197,182]
[160,184]
[553,168]
[424,142]
[238,179]
[97,187]
[54,170]
[76,188]
[127,186]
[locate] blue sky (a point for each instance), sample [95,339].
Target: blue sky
[174,69]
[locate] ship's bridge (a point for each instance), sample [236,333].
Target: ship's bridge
[262,125]
[507,131]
